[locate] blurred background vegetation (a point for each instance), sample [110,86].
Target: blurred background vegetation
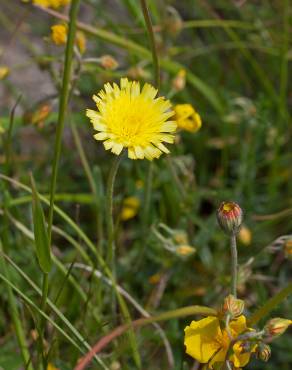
[237,57]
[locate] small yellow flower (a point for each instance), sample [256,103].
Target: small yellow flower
[187,118]
[51,3]
[59,34]
[206,342]
[51,367]
[130,208]
[245,235]
[4,72]
[132,118]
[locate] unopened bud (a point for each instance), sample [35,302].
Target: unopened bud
[108,62]
[288,248]
[179,82]
[233,306]
[277,326]
[229,216]
[185,250]
[263,352]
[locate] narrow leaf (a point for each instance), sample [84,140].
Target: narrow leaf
[40,232]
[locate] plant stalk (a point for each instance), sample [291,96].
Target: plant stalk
[62,108]
[109,214]
[234,264]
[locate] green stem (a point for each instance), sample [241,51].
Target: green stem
[7,142]
[62,108]
[234,264]
[151,36]
[21,337]
[270,305]
[109,214]
[45,290]
[147,198]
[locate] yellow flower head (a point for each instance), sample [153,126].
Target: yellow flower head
[130,208]
[133,118]
[51,367]
[51,3]
[206,342]
[4,72]
[59,34]
[187,118]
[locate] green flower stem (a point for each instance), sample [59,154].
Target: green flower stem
[109,214]
[151,36]
[41,350]
[62,107]
[12,303]
[64,95]
[147,198]
[270,305]
[234,265]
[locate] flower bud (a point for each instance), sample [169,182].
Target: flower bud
[233,306]
[288,248]
[185,250]
[263,352]
[108,62]
[229,216]
[179,82]
[277,326]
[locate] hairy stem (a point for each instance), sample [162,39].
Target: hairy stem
[234,264]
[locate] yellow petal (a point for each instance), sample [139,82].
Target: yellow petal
[202,339]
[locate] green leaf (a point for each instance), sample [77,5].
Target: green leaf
[40,232]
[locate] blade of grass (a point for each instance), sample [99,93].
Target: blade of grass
[55,309]
[46,317]
[64,97]
[13,310]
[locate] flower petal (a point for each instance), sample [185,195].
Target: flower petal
[202,338]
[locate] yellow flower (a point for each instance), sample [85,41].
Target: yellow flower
[187,118]
[130,208]
[206,342]
[4,72]
[130,117]
[51,3]
[51,367]
[59,34]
